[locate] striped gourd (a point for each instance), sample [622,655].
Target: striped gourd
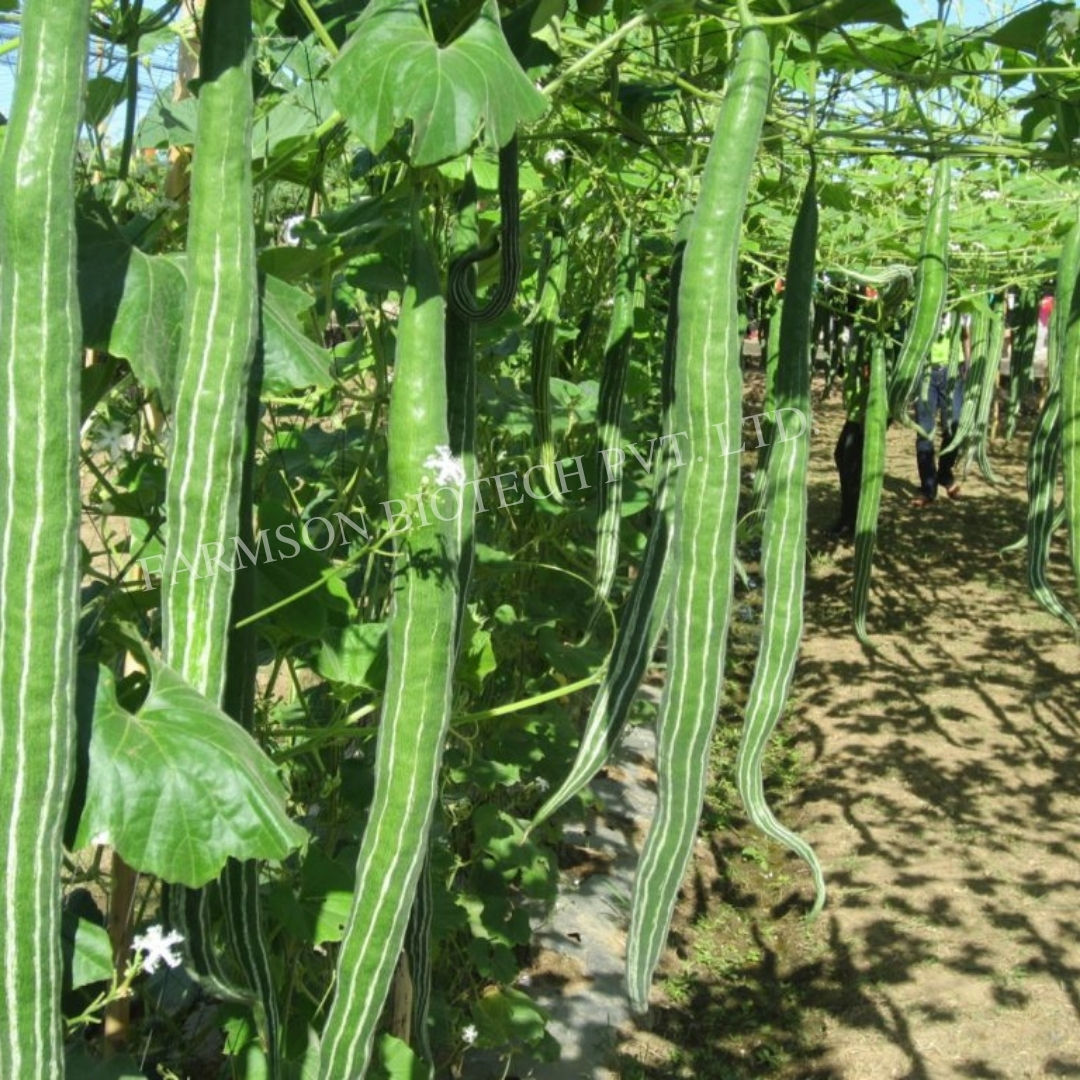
[461,430]
[642,619]
[976,378]
[40,359]
[608,417]
[1069,377]
[1044,459]
[930,289]
[556,263]
[783,542]
[1061,314]
[206,465]
[1021,362]
[707,412]
[462,284]
[421,646]
[875,422]
[1045,448]
[991,374]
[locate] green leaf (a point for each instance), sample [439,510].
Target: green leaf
[90,950]
[132,304]
[167,123]
[355,656]
[508,1018]
[821,18]
[102,96]
[178,787]
[1028,31]
[477,660]
[394,1060]
[291,359]
[392,71]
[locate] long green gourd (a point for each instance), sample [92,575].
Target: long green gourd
[543,353]
[461,430]
[641,621]
[40,360]
[980,442]
[421,647]
[783,545]
[1045,448]
[875,422]
[608,417]
[708,413]
[1022,360]
[206,461]
[461,291]
[1070,401]
[1061,314]
[930,289]
[1044,459]
[976,378]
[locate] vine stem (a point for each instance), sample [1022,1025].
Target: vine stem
[601,49]
[317,26]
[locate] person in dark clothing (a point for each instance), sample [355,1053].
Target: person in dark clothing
[848,458]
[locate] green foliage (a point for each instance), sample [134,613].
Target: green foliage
[177,787]
[392,71]
[541,687]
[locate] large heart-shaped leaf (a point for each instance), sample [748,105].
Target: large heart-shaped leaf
[178,787]
[392,71]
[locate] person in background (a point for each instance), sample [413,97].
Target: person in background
[938,398]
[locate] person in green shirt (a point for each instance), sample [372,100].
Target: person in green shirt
[941,396]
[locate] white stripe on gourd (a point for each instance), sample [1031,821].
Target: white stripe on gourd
[707,413]
[40,358]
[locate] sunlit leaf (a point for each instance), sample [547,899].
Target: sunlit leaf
[178,787]
[392,71]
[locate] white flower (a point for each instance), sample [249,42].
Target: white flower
[115,441]
[288,230]
[990,193]
[157,946]
[469,1034]
[555,156]
[448,470]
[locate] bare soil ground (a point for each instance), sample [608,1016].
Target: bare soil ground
[940,785]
